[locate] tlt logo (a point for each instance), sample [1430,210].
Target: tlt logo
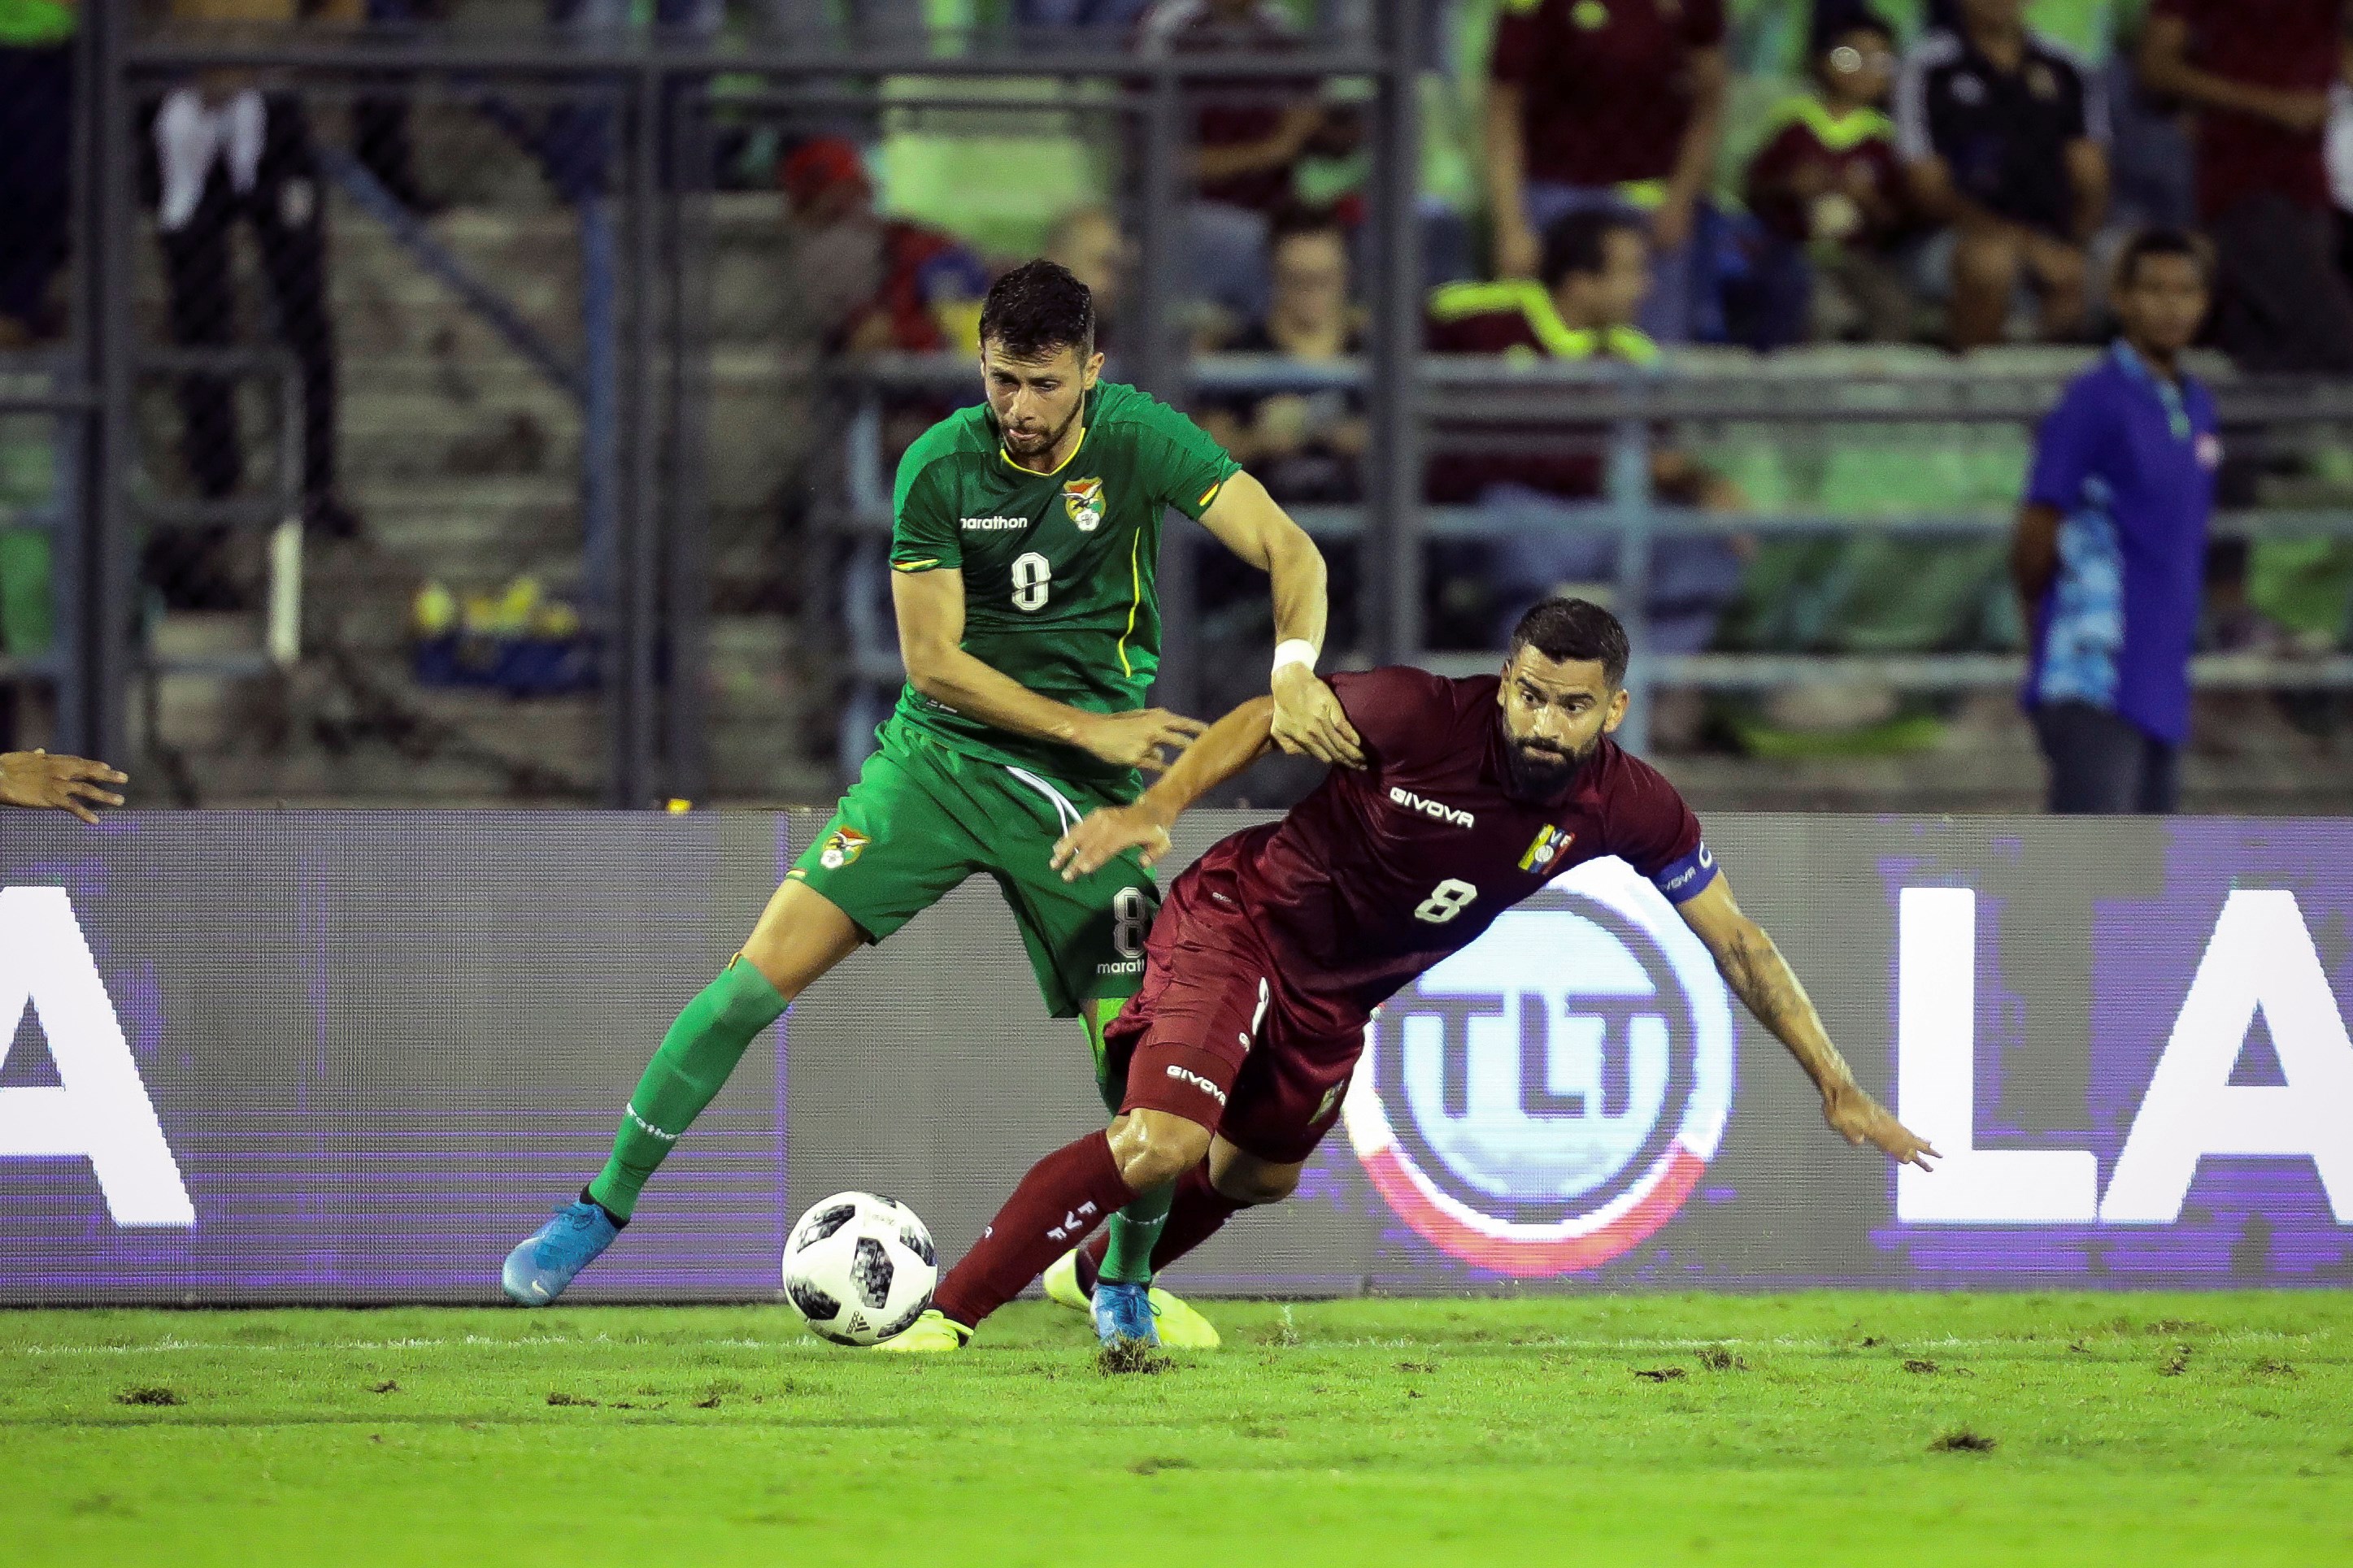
[2261,957]
[100,1109]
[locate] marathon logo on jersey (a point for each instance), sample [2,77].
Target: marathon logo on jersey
[1551,843]
[1083,500]
[1543,1100]
[993,524]
[842,846]
[1186,1075]
[1437,810]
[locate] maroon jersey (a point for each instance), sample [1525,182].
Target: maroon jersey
[2287,45]
[1843,148]
[1605,85]
[1379,874]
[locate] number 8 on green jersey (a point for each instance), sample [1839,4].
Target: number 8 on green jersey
[1058,572]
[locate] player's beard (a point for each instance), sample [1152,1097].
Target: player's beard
[1042,445]
[1540,773]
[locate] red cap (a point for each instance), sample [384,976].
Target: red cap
[817,166]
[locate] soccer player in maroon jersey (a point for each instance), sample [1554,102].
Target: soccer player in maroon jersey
[1273,950]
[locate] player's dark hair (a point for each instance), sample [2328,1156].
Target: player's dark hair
[1037,309]
[1574,629]
[1578,244]
[2151,242]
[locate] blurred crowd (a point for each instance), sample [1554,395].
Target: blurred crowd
[1602,178]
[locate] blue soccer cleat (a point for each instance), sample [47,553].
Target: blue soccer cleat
[538,1271]
[1125,1312]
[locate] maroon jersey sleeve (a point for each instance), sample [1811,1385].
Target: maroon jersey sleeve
[1392,708]
[1645,822]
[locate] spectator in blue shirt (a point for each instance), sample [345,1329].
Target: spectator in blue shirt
[2110,550]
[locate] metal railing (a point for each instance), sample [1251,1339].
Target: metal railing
[1618,410]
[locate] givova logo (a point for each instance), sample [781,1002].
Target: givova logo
[1545,1098]
[99,1111]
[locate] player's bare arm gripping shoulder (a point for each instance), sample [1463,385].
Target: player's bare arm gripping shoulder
[1307,719]
[1745,953]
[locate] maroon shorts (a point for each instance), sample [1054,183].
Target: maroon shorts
[1209,1037]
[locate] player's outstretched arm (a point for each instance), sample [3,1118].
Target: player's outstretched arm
[1760,977]
[1232,744]
[930,608]
[1308,720]
[40,781]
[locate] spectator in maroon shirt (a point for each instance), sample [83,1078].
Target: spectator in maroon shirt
[1246,138]
[1596,271]
[1827,188]
[2258,73]
[1606,103]
[926,285]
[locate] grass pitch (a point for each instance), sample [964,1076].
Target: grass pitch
[1812,1429]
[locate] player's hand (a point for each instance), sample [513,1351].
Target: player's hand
[1858,1119]
[1107,832]
[42,781]
[1309,721]
[1147,738]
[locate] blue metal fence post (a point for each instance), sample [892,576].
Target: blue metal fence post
[1630,499]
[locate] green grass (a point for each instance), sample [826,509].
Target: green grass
[1811,1429]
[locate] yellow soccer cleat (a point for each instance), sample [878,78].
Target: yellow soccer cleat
[1181,1327]
[933,1331]
[1062,1283]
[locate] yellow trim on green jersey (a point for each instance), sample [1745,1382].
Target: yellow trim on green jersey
[913,565]
[1136,575]
[1045,473]
[1207,495]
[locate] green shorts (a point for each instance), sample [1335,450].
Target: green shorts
[924,816]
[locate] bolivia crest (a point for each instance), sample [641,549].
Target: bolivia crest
[841,847]
[1082,498]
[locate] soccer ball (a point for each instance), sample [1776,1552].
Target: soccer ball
[860,1269]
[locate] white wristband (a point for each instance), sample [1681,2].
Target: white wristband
[1298,650]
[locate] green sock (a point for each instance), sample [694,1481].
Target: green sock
[701,1049]
[1134,1230]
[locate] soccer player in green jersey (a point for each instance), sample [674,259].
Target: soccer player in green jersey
[1024,540]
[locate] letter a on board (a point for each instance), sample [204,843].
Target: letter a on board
[99,1111]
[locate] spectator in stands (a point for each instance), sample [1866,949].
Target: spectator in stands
[2258,72]
[1304,446]
[2005,137]
[1828,189]
[1090,242]
[1616,104]
[1595,272]
[927,287]
[37,72]
[2110,544]
[222,151]
[1247,136]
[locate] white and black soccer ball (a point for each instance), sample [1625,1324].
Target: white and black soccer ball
[860,1269]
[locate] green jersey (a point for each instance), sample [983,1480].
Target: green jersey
[1058,568]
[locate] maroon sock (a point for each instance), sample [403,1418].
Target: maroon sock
[1065,1196]
[1197,1213]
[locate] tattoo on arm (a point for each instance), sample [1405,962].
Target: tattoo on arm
[1763,979]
